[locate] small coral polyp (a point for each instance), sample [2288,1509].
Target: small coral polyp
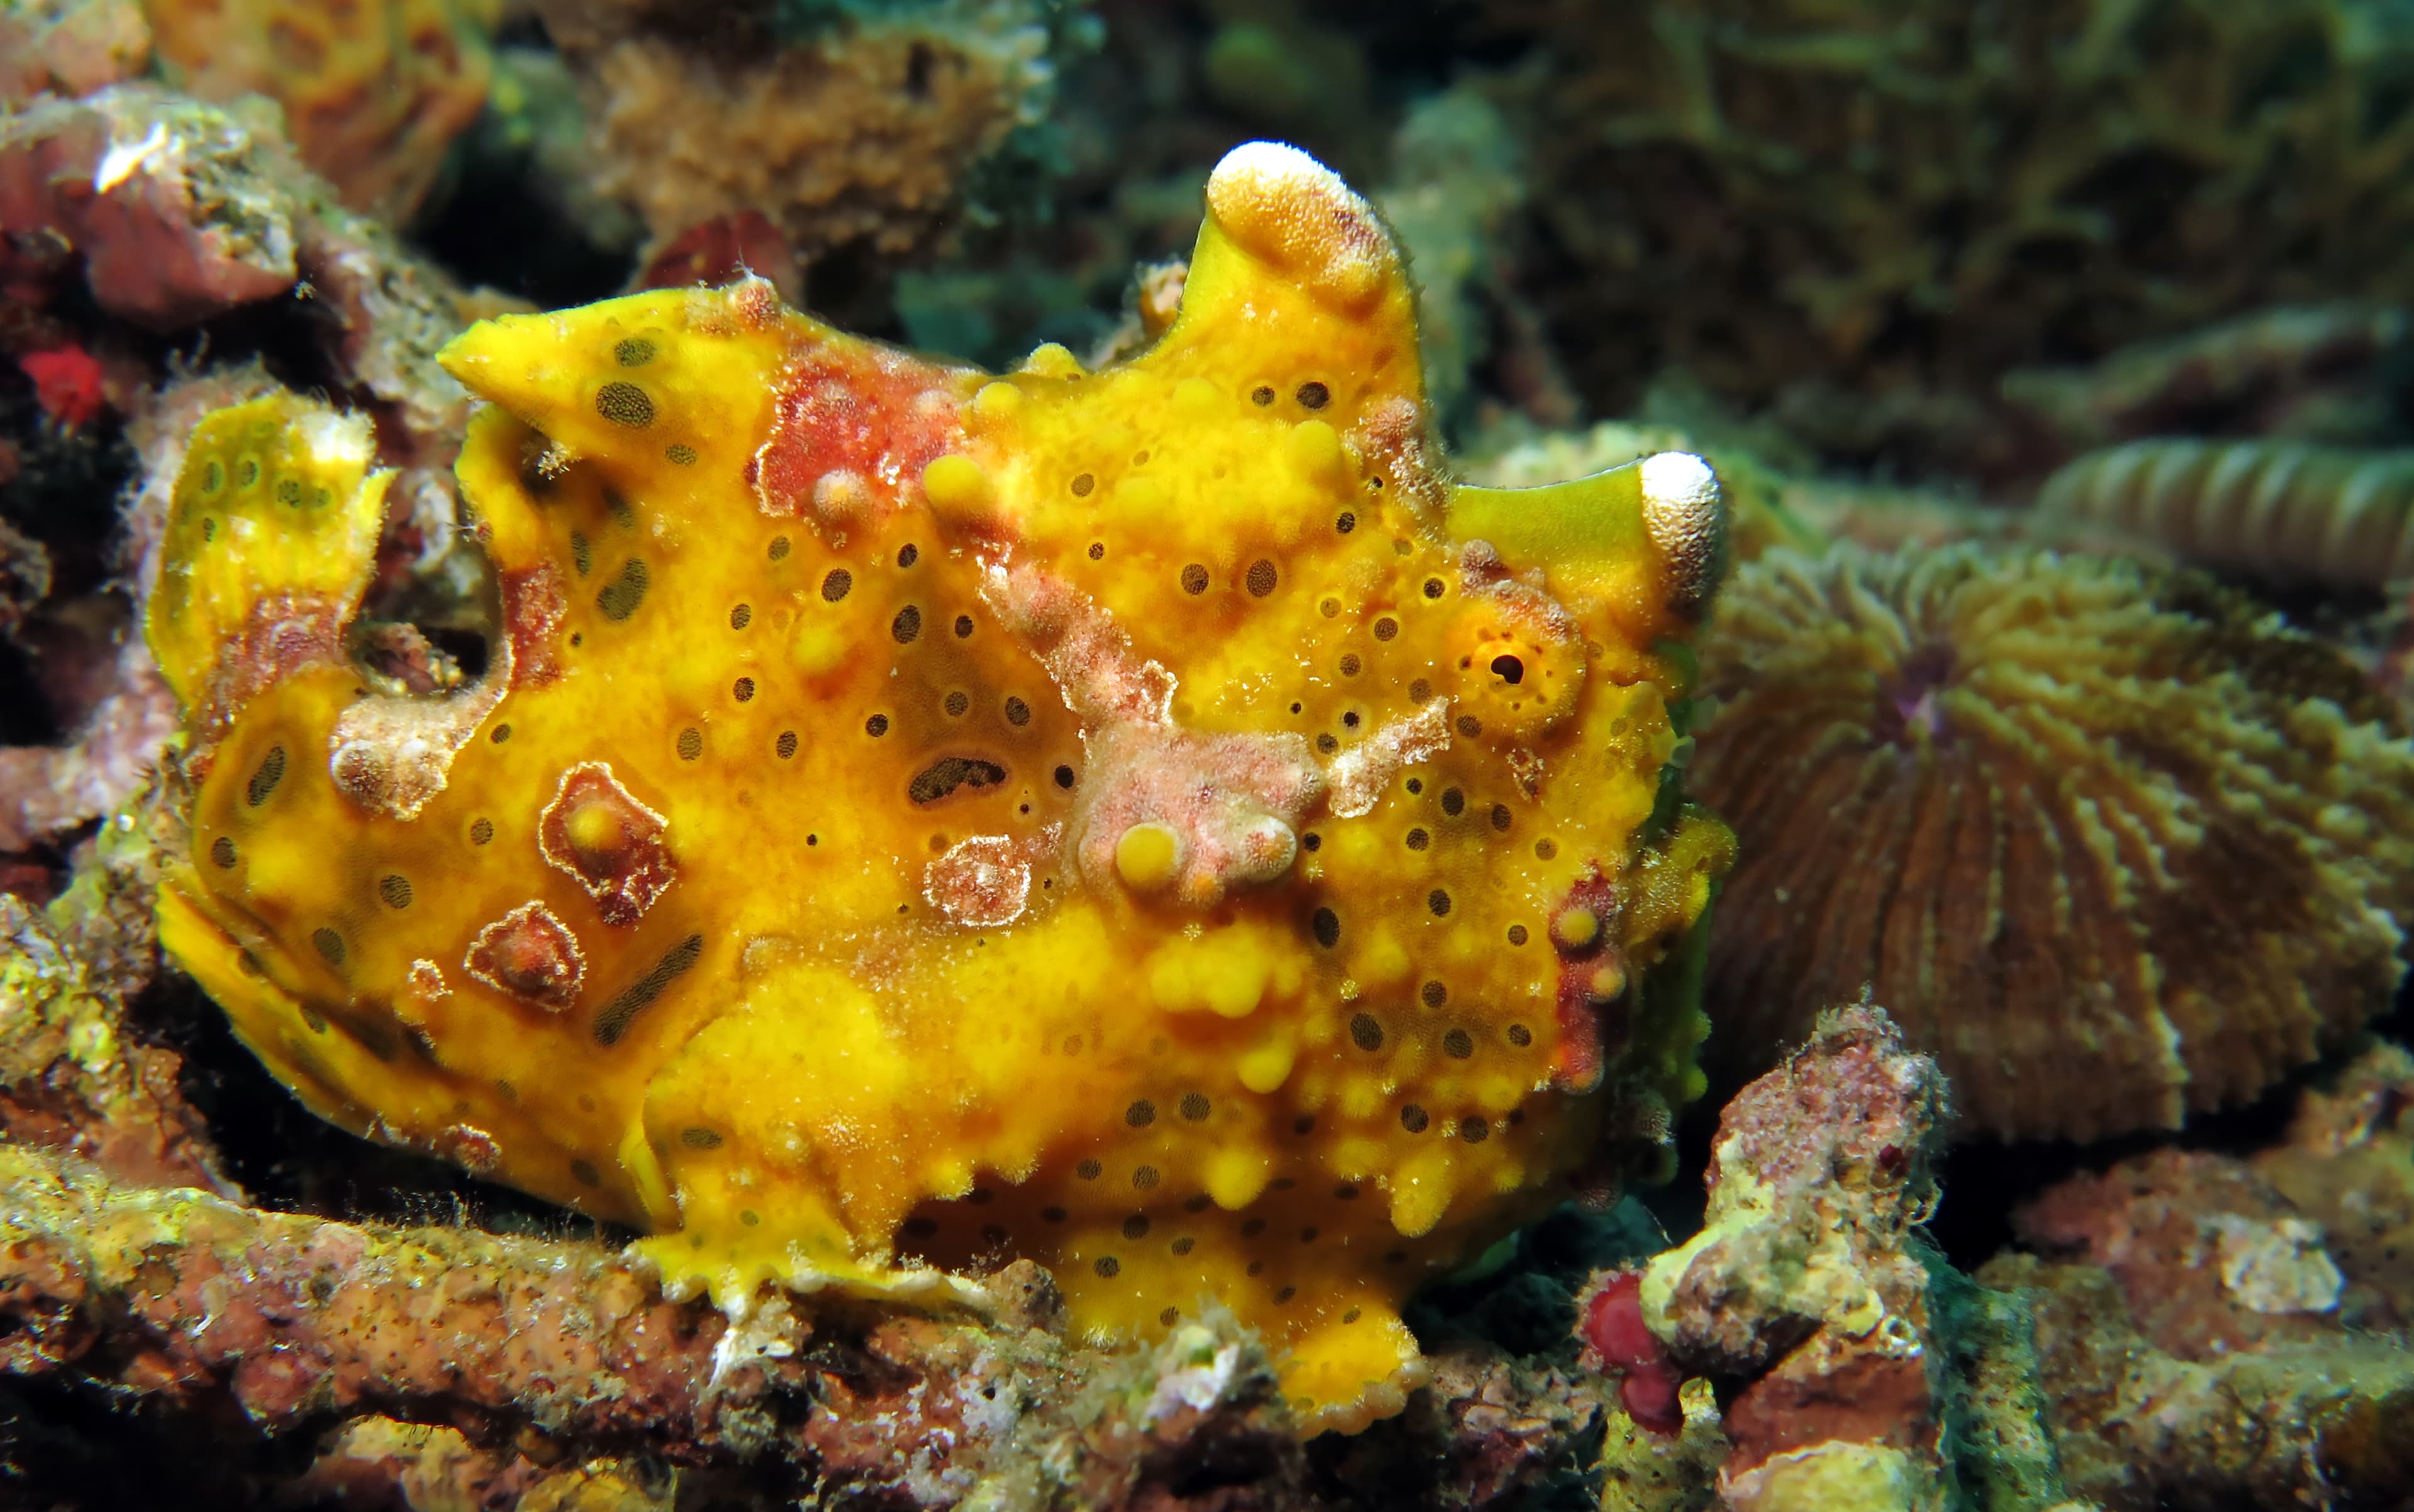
[1146,821]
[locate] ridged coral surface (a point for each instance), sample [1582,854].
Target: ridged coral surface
[1128,819]
[2109,843]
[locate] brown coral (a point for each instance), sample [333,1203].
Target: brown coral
[857,129]
[1804,201]
[2111,844]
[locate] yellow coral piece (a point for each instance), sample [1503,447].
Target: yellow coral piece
[912,817]
[270,534]
[373,91]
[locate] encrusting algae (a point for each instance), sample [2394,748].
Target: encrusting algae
[1144,820]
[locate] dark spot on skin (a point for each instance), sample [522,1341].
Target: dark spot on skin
[836,585]
[222,853]
[1432,995]
[613,1020]
[1194,579]
[1386,627]
[957,704]
[634,351]
[1018,713]
[481,830]
[1089,1170]
[1327,926]
[742,690]
[786,744]
[1438,901]
[1083,483]
[740,617]
[1145,1178]
[1304,1124]
[1327,744]
[1469,726]
[1098,552]
[394,889]
[1509,669]
[1347,523]
[619,598]
[1517,935]
[1286,1294]
[624,404]
[1194,1107]
[679,454]
[941,778]
[1459,1044]
[1314,396]
[1065,777]
[1501,818]
[1107,1268]
[1261,395]
[329,944]
[1261,578]
[1520,1036]
[1311,841]
[1141,1113]
[1474,1130]
[265,777]
[1365,1032]
[876,726]
[699,1138]
[963,627]
[1419,840]
[908,554]
[906,626]
[586,1173]
[1454,803]
[499,734]
[690,743]
[1433,588]
[778,551]
[1136,1226]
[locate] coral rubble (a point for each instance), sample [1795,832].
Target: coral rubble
[1854,1367]
[2217,1331]
[1806,1280]
[2112,843]
[866,743]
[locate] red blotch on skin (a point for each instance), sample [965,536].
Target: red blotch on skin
[67,383]
[530,954]
[876,415]
[1576,1062]
[628,867]
[1613,1325]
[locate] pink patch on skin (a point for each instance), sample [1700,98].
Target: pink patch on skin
[870,416]
[67,384]
[985,881]
[1614,1328]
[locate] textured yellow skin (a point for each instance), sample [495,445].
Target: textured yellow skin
[837,1044]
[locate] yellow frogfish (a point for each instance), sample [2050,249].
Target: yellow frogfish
[1146,821]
